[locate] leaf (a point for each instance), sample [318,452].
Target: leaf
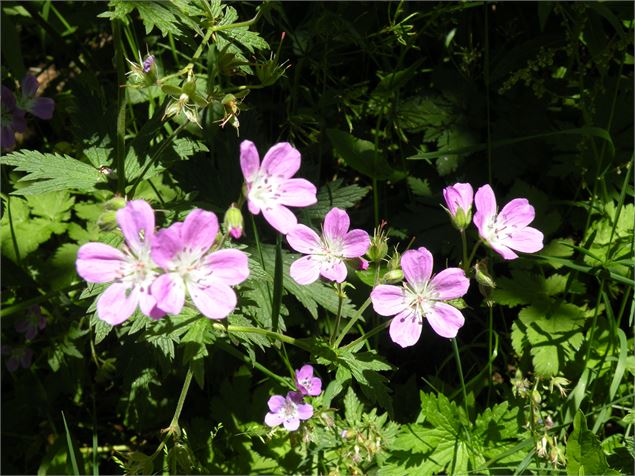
[361,155]
[584,452]
[198,335]
[419,187]
[333,195]
[52,172]
[353,408]
[527,288]
[54,207]
[22,231]
[364,368]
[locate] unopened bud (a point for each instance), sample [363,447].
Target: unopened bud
[395,261]
[378,244]
[115,203]
[535,396]
[393,276]
[481,274]
[362,264]
[233,222]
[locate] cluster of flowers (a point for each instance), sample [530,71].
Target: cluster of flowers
[29,326]
[14,109]
[289,410]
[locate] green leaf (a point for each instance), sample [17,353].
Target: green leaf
[198,335]
[333,195]
[52,172]
[527,288]
[22,231]
[584,452]
[364,368]
[353,408]
[361,155]
[419,187]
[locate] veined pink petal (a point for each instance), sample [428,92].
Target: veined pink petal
[136,220]
[169,291]
[405,329]
[417,266]
[148,304]
[249,160]
[305,270]
[517,213]
[485,202]
[388,300]
[297,192]
[282,160]
[304,240]
[166,245]
[99,263]
[445,319]
[527,240]
[215,299]
[281,218]
[276,403]
[450,283]
[336,224]
[355,244]
[199,230]
[30,85]
[42,107]
[273,419]
[336,271]
[253,208]
[117,303]
[228,266]
[459,195]
[305,411]
[503,250]
[305,372]
[291,424]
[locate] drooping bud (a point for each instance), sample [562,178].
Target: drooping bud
[108,219]
[393,276]
[234,222]
[378,244]
[459,198]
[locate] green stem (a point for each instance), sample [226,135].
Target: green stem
[340,301]
[376,330]
[122,95]
[265,332]
[276,298]
[472,254]
[490,360]
[7,311]
[179,406]
[459,367]
[239,355]
[466,262]
[352,322]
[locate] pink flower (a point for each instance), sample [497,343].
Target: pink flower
[422,296]
[326,255]
[38,106]
[18,357]
[32,323]
[132,269]
[288,411]
[270,187]
[12,119]
[508,230]
[306,382]
[182,250]
[458,198]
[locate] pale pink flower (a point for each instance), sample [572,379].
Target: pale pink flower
[326,254]
[458,198]
[288,411]
[270,188]
[306,383]
[422,295]
[132,269]
[182,250]
[507,230]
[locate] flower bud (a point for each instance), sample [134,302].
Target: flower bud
[482,276]
[378,244]
[395,261]
[393,276]
[459,198]
[233,221]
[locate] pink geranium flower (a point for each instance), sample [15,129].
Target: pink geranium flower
[458,198]
[182,250]
[421,296]
[132,269]
[306,383]
[288,411]
[270,188]
[38,106]
[326,254]
[507,230]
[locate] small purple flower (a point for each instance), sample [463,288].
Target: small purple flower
[148,63]
[459,198]
[326,254]
[132,270]
[288,411]
[270,188]
[182,251]
[33,322]
[11,117]
[507,230]
[421,296]
[38,106]
[18,357]
[306,383]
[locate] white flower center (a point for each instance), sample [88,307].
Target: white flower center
[421,299]
[289,410]
[265,191]
[138,270]
[331,251]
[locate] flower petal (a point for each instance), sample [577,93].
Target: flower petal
[99,263]
[405,328]
[228,266]
[305,411]
[273,419]
[305,372]
[148,304]
[527,240]
[305,270]
[30,85]
[281,160]
[417,266]
[136,220]
[335,271]
[253,208]
[215,300]
[281,218]
[7,139]
[503,250]
[169,291]
[249,160]
[450,283]
[445,319]
[117,303]
[517,213]
[459,195]
[291,424]
[336,224]
[297,192]
[388,300]
[304,240]
[355,244]
[199,230]
[42,107]
[166,245]
[276,403]
[485,202]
